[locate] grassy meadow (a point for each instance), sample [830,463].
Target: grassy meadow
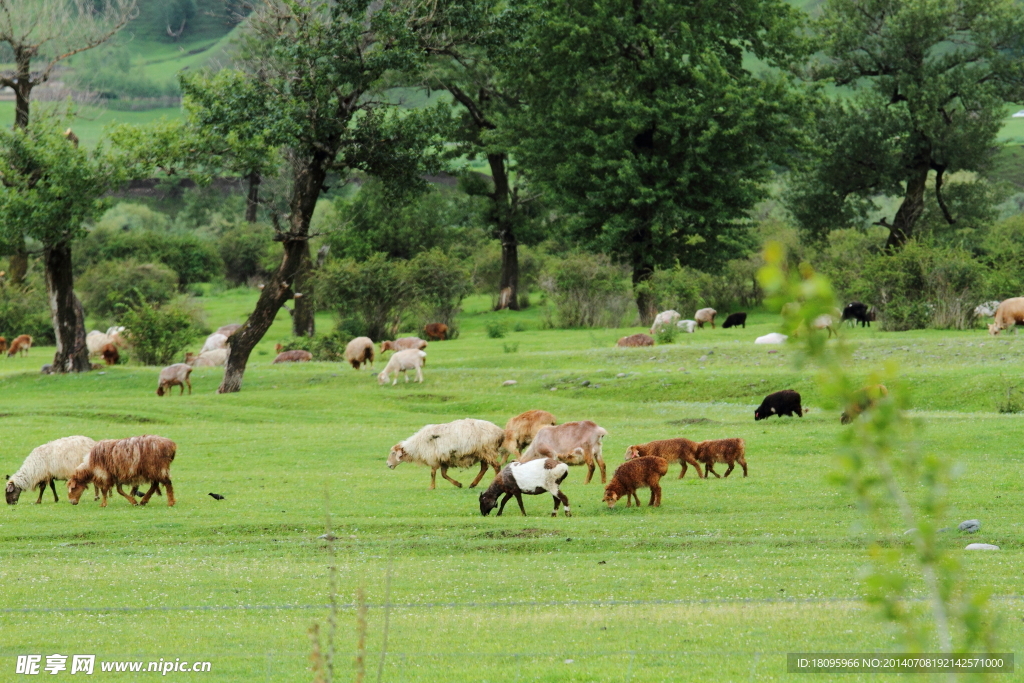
[716,585]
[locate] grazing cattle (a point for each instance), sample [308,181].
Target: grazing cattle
[636,474]
[785,402]
[634,340]
[574,443]
[532,478]
[436,331]
[735,320]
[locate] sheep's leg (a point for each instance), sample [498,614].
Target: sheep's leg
[710,467]
[565,501]
[149,494]
[54,489]
[655,496]
[743,464]
[189,383]
[95,492]
[507,498]
[600,463]
[682,472]
[129,497]
[419,375]
[629,499]
[42,490]
[554,513]
[444,473]
[519,499]
[732,466]
[433,478]
[483,470]
[170,492]
[589,462]
[406,376]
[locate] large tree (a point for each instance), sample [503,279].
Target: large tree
[49,189]
[313,75]
[644,121]
[923,86]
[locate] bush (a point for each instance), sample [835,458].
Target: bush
[248,252]
[679,289]
[158,334]
[324,347]
[193,258]
[497,329]
[487,270]
[108,287]
[442,282]
[25,309]
[370,297]
[666,334]
[511,348]
[588,291]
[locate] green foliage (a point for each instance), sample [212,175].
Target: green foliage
[659,139]
[1003,248]
[666,334]
[324,347]
[158,334]
[511,348]
[376,293]
[248,252]
[110,73]
[25,310]
[679,288]
[109,287]
[442,281]
[487,267]
[587,290]
[192,257]
[497,329]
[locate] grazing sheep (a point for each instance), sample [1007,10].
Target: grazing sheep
[532,478]
[294,356]
[634,340]
[785,402]
[729,451]
[3,344]
[825,322]
[110,354]
[462,444]
[176,375]
[359,352]
[687,326]
[1008,314]
[213,342]
[682,451]
[636,474]
[663,320]
[403,344]
[228,330]
[436,331]
[858,313]
[735,320]
[986,310]
[116,334]
[21,344]
[95,341]
[410,359]
[772,338]
[861,400]
[54,460]
[521,429]
[133,461]
[210,359]
[574,443]
[705,315]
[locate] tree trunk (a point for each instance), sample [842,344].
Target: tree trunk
[22,87]
[303,318]
[502,216]
[910,210]
[252,200]
[309,181]
[644,297]
[18,266]
[65,308]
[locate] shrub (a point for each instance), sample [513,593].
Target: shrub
[25,309]
[442,282]
[248,251]
[679,289]
[588,291]
[374,294]
[108,287]
[511,348]
[158,334]
[497,329]
[666,334]
[192,257]
[324,347]
[487,270]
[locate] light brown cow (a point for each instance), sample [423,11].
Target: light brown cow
[574,443]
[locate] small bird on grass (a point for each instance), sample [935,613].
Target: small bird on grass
[216,496]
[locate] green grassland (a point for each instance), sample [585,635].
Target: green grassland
[716,585]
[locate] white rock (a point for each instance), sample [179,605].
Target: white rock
[772,338]
[509,383]
[981,546]
[621,375]
[687,326]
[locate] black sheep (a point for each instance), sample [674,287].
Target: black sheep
[785,402]
[735,320]
[859,313]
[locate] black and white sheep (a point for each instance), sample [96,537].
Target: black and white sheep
[532,478]
[462,444]
[54,460]
[785,402]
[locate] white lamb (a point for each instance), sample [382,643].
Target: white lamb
[410,359]
[772,338]
[664,319]
[687,326]
[54,460]
[96,340]
[213,342]
[461,443]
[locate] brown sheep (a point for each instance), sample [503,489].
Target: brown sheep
[21,344]
[861,400]
[176,375]
[705,315]
[682,451]
[1008,314]
[574,443]
[436,331]
[729,451]
[110,354]
[520,430]
[635,340]
[294,356]
[636,474]
[134,461]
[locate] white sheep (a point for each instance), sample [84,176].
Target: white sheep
[410,359]
[461,443]
[54,460]
[96,340]
[209,359]
[687,326]
[705,315]
[213,342]
[772,338]
[664,319]
[116,334]
[359,351]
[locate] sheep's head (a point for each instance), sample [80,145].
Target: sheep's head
[758,415]
[396,456]
[387,346]
[13,492]
[611,498]
[382,378]
[994,328]
[76,487]
[488,501]
[632,452]
[160,390]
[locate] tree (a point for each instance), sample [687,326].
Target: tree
[50,188]
[923,88]
[643,121]
[312,75]
[50,31]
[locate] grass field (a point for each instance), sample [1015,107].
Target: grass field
[717,585]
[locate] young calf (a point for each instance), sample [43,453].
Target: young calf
[532,478]
[682,451]
[636,474]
